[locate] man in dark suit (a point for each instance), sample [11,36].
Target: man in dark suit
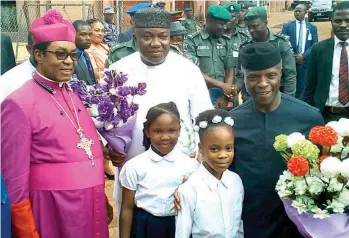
[302,36]
[327,86]
[84,69]
[8,60]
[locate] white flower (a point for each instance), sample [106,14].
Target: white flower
[301,207]
[320,213]
[341,126]
[301,187]
[216,119]
[345,168]
[98,124]
[344,197]
[331,167]
[93,110]
[286,175]
[196,128]
[203,124]
[337,206]
[294,138]
[113,91]
[334,185]
[108,126]
[316,186]
[229,121]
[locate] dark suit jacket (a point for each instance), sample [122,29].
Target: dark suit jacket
[125,36]
[82,73]
[319,74]
[290,29]
[8,60]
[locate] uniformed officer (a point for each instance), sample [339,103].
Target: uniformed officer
[210,46]
[237,36]
[241,25]
[256,20]
[110,32]
[189,23]
[124,49]
[176,16]
[177,32]
[127,34]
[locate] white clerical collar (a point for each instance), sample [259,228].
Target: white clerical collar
[211,181]
[170,157]
[337,41]
[59,83]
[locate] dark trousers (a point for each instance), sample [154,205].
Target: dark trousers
[301,77]
[146,225]
[328,116]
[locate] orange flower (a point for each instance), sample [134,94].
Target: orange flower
[323,135]
[298,165]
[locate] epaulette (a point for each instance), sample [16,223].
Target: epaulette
[117,46]
[225,35]
[245,42]
[244,33]
[281,36]
[193,34]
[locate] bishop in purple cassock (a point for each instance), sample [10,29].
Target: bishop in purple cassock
[52,160]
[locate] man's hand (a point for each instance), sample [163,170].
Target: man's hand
[177,200]
[300,59]
[227,89]
[116,158]
[109,212]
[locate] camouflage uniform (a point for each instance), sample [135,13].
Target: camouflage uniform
[289,73]
[120,51]
[110,34]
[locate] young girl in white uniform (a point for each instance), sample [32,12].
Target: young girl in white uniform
[150,179]
[211,199]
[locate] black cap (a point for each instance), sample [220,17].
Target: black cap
[260,56]
[152,18]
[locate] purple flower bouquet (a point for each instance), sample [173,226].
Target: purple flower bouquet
[111,107]
[334,226]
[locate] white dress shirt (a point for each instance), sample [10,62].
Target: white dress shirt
[332,100]
[304,29]
[15,78]
[210,207]
[155,179]
[178,80]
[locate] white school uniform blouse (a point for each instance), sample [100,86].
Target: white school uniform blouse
[210,207]
[155,179]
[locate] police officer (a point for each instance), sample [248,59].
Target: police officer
[189,23]
[128,34]
[210,46]
[256,20]
[241,25]
[110,33]
[124,49]
[237,36]
[177,32]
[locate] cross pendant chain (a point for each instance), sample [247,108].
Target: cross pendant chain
[85,144]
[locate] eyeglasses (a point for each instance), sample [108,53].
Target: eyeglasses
[63,55]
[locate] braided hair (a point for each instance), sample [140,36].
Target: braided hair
[207,116]
[155,112]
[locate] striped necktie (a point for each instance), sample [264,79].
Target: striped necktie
[343,97]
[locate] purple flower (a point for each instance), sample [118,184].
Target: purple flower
[106,111]
[141,88]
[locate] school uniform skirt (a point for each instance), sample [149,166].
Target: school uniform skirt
[146,225]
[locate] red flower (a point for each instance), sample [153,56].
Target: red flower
[323,135]
[298,165]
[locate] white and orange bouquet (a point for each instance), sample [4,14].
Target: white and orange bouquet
[315,187]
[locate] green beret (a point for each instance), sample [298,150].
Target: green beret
[260,56]
[219,13]
[152,18]
[256,12]
[232,7]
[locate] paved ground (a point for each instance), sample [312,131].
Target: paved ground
[275,21]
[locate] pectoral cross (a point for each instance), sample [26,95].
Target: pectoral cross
[85,144]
